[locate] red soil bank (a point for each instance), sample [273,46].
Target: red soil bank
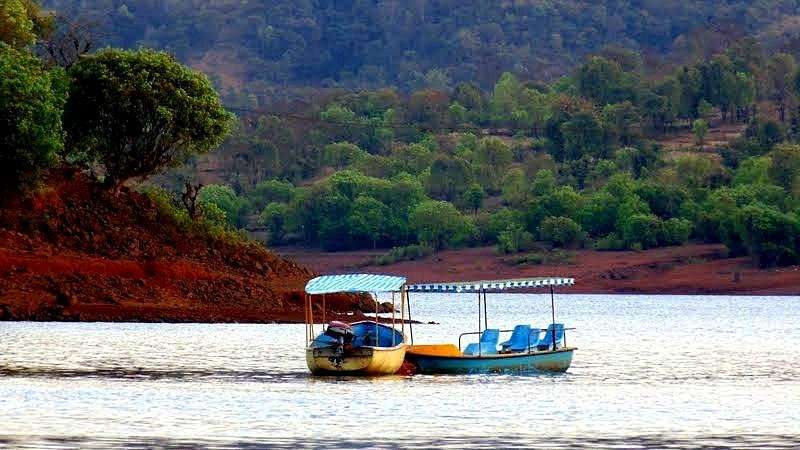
[74,251]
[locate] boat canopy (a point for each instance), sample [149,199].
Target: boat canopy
[484,285]
[357,282]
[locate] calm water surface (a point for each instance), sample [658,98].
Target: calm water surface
[674,371]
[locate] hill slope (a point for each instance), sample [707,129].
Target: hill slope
[74,251]
[272,44]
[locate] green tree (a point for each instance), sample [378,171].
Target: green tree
[369,219]
[603,81]
[623,121]
[516,189]
[20,22]
[641,231]
[560,231]
[755,170]
[449,177]
[514,239]
[780,72]
[342,154]
[225,199]
[274,218]
[492,158]
[31,102]
[584,135]
[136,112]
[439,225]
[700,130]
[270,191]
[785,166]
[770,237]
[473,197]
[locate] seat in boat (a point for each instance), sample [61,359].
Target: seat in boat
[487,344]
[520,339]
[546,343]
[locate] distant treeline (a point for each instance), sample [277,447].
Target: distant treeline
[575,166]
[261,47]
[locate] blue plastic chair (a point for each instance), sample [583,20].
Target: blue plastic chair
[546,343]
[520,339]
[487,344]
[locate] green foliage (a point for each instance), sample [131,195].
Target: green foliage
[785,166]
[274,218]
[641,231]
[270,191]
[700,130]
[342,154]
[226,200]
[439,225]
[20,22]
[514,239]
[604,81]
[31,102]
[449,177]
[369,219]
[769,236]
[755,170]
[561,231]
[407,253]
[137,112]
[473,197]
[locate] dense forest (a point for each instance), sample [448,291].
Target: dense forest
[484,150]
[256,49]
[568,164]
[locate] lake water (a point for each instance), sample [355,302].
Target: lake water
[657,371]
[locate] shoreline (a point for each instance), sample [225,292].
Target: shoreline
[696,269]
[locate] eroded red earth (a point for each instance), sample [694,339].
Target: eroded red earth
[76,251]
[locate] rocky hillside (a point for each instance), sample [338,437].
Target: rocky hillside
[75,251]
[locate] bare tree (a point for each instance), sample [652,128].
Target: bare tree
[67,39]
[189,198]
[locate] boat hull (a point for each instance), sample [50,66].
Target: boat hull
[549,361]
[359,361]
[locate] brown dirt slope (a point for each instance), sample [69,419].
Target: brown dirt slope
[75,251]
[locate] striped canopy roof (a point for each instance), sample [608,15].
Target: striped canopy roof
[356,282]
[473,286]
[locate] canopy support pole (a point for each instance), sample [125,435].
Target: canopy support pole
[553,312]
[410,321]
[376,319]
[323,311]
[393,332]
[485,312]
[479,323]
[402,312]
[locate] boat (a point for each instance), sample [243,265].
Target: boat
[527,349]
[366,347]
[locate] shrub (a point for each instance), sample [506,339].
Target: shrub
[561,231]
[641,231]
[611,241]
[407,253]
[770,237]
[438,224]
[675,232]
[514,239]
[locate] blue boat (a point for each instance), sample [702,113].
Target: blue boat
[527,349]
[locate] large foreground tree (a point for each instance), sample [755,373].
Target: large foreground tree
[31,102]
[137,112]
